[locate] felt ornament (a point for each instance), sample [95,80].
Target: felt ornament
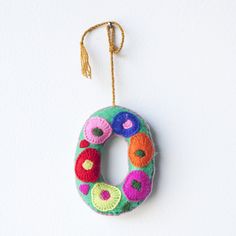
[100,127]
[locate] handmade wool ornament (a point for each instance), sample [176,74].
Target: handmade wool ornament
[114,120]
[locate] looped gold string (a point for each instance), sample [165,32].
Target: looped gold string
[85,66]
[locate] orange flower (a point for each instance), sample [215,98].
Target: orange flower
[141,150]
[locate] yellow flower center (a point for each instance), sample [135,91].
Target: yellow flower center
[87,165]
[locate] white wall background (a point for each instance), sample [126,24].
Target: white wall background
[177,70]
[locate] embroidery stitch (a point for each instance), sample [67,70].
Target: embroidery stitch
[87,165]
[131,191]
[101,201]
[141,150]
[125,124]
[97,130]
[88,175]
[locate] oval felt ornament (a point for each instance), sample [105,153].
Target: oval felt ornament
[136,187]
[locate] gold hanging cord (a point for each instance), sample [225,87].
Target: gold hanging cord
[85,66]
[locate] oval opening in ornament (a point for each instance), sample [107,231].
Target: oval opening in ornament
[115,160]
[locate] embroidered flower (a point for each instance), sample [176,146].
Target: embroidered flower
[137,186]
[125,124]
[105,197]
[97,130]
[87,166]
[141,150]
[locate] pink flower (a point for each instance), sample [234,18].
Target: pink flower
[97,130]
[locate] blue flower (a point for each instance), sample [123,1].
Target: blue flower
[125,124]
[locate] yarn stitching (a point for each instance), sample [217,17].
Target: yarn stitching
[121,127]
[132,192]
[97,123]
[141,150]
[105,204]
[88,175]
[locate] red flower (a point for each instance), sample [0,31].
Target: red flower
[87,166]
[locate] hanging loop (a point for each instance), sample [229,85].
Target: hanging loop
[85,65]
